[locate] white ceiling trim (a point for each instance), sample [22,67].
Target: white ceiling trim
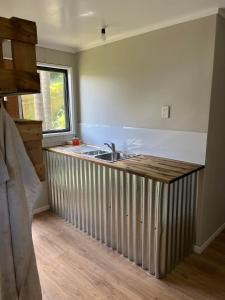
[62,48]
[150,28]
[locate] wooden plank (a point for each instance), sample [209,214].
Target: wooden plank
[18,30]
[12,106]
[27,82]
[23,121]
[34,151]
[1,55]
[18,82]
[8,64]
[24,57]
[24,30]
[22,78]
[30,131]
[40,170]
[7,82]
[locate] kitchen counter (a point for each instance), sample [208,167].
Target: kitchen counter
[152,167]
[144,207]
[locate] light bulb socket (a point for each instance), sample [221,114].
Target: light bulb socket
[103,33]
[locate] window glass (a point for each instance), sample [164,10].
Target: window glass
[51,105]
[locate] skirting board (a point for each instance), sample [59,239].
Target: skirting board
[200,249]
[41,209]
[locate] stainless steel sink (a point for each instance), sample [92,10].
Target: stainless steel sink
[95,152]
[111,157]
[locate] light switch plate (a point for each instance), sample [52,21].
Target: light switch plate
[165,112]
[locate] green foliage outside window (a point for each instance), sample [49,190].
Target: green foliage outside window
[57,94]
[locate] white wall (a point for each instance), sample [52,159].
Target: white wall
[123,86]
[126,83]
[174,144]
[212,216]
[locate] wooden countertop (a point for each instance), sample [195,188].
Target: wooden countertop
[157,168]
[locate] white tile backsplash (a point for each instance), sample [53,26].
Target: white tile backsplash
[180,145]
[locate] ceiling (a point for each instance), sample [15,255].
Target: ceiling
[72,25]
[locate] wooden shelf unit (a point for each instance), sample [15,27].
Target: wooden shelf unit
[23,77]
[18,76]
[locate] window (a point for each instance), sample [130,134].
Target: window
[51,106]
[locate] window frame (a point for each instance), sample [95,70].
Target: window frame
[67,71]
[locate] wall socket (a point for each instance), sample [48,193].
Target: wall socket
[165,112]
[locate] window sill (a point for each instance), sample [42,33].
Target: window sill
[55,134]
[56,139]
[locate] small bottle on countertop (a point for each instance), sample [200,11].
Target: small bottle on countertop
[76,141]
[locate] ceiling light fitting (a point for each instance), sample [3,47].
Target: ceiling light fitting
[103,33]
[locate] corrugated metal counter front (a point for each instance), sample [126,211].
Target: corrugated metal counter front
[149,221]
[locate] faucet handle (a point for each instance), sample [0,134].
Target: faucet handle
[111,145]
[107,144]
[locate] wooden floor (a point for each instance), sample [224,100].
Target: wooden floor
[74,266]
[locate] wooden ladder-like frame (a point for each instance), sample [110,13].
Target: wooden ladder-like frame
[21,76]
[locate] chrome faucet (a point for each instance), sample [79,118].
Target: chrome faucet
[112,146]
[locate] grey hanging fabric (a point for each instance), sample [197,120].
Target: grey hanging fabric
[19,191]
